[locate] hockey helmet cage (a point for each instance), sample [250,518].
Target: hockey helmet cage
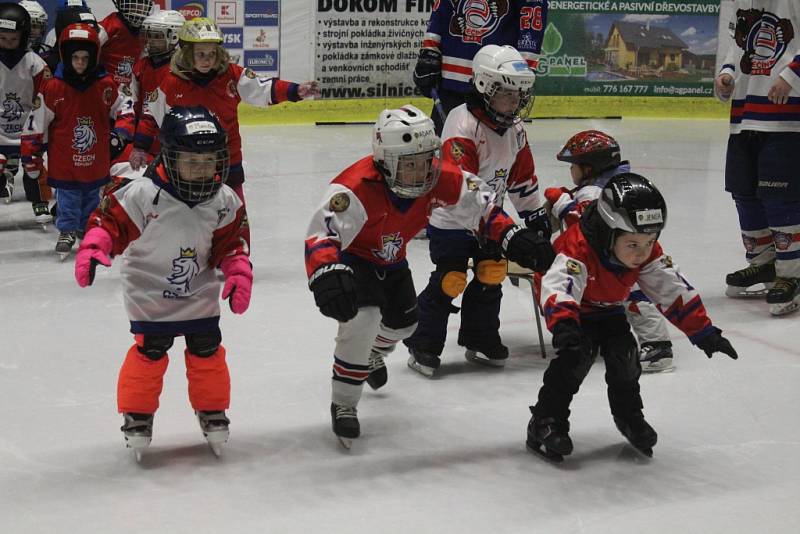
[503,69]
[631,203]
[407,151]
[162,25]
[594,148]
[188,131]
[15,18]
[38,20]
[134,11]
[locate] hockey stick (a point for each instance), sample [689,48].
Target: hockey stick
[438,104]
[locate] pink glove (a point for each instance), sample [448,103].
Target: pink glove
[238,282]
[552,194]
[95,248]
[137,159]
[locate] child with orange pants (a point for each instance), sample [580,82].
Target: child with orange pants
[175,225]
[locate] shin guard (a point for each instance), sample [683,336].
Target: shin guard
[209,381]
[140,382]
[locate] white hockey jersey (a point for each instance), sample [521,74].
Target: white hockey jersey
[18,87]
[504,162]
[763,43]
[169,253]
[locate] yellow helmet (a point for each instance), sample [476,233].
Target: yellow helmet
[200,30]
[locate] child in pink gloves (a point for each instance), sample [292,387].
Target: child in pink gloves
[175,225]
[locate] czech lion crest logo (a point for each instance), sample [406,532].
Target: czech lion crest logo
[83,135]
[12,108]
[184,269]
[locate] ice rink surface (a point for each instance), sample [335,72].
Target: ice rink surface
[444,455]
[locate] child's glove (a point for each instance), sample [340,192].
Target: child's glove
[137,159]
[95,248]
[539,221]
[552,194]
[567,336]
[714,342]
[33,167]
[335,291]
[238,282]
[526,247]
[117,143]
[428,71]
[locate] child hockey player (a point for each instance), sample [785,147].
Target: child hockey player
[38,26]
[123,47]
[613,247]
[485,137]
[21,74]
[201,73]
[595,157]
[71,123]
[356,249]
[761,74]
[175,226]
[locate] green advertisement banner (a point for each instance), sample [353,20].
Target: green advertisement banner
[638,48]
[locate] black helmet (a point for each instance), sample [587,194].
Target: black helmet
[74,15]
[15,18]
[628,203]
[194,130]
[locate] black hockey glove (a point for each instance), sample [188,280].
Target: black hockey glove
[117,144]
[428,72]
[335,291]
[714,342]
[567,335]
[539,221]
[528,248]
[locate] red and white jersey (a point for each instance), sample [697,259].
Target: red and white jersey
[763,46]
[361,217]
[143,87]
[221,96]
[569,206]
[18,87]
[170,251]
[580,284]
[119,53]
[73,127]
[503,161]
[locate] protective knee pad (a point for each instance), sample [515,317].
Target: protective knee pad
[453,283]
[154,346]
[204,344]
[491,272]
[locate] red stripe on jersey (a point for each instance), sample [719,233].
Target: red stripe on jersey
[765,108]
[457,68]
[430,43]
[766,240]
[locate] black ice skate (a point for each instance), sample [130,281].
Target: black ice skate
[344,420]
[138,431]
[377,370]
[752,281]
[66,240]
[549,438]
[784,296]
[656,357]
[425,363]
[41,213]
[494,356]
[638,432]
[214,425]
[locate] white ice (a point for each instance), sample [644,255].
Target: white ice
[444,455]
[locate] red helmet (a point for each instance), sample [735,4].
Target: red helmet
[591,147]
[79,36]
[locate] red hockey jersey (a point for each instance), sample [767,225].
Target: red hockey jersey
[580,284]
[359,215]
[122,49]
[144,84]
[73,127]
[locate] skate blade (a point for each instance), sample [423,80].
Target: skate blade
[646,452]
[481,359]
[539,449]
[217,437]
[784,308]
[424,370]
[658,367]
[375,385]
[748,292]
[216,448]
[62,256]
[346,442]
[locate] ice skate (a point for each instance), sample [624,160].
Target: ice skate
[752,281]
[492,356]
[344,420]
[214,425]
[549,438]
[423,362]
[66,240]
[138,431]
[378,374]
[656,357]
[7,191]
[41,214]
[784,296]
[638,432]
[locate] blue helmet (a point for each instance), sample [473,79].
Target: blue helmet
[188,133]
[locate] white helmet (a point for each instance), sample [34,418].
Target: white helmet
[162,25]
[38,20]
[407,151]
[501,68]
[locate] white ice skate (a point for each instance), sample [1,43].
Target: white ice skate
[214,425]
[656,357]
[9,189]
[138,431]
